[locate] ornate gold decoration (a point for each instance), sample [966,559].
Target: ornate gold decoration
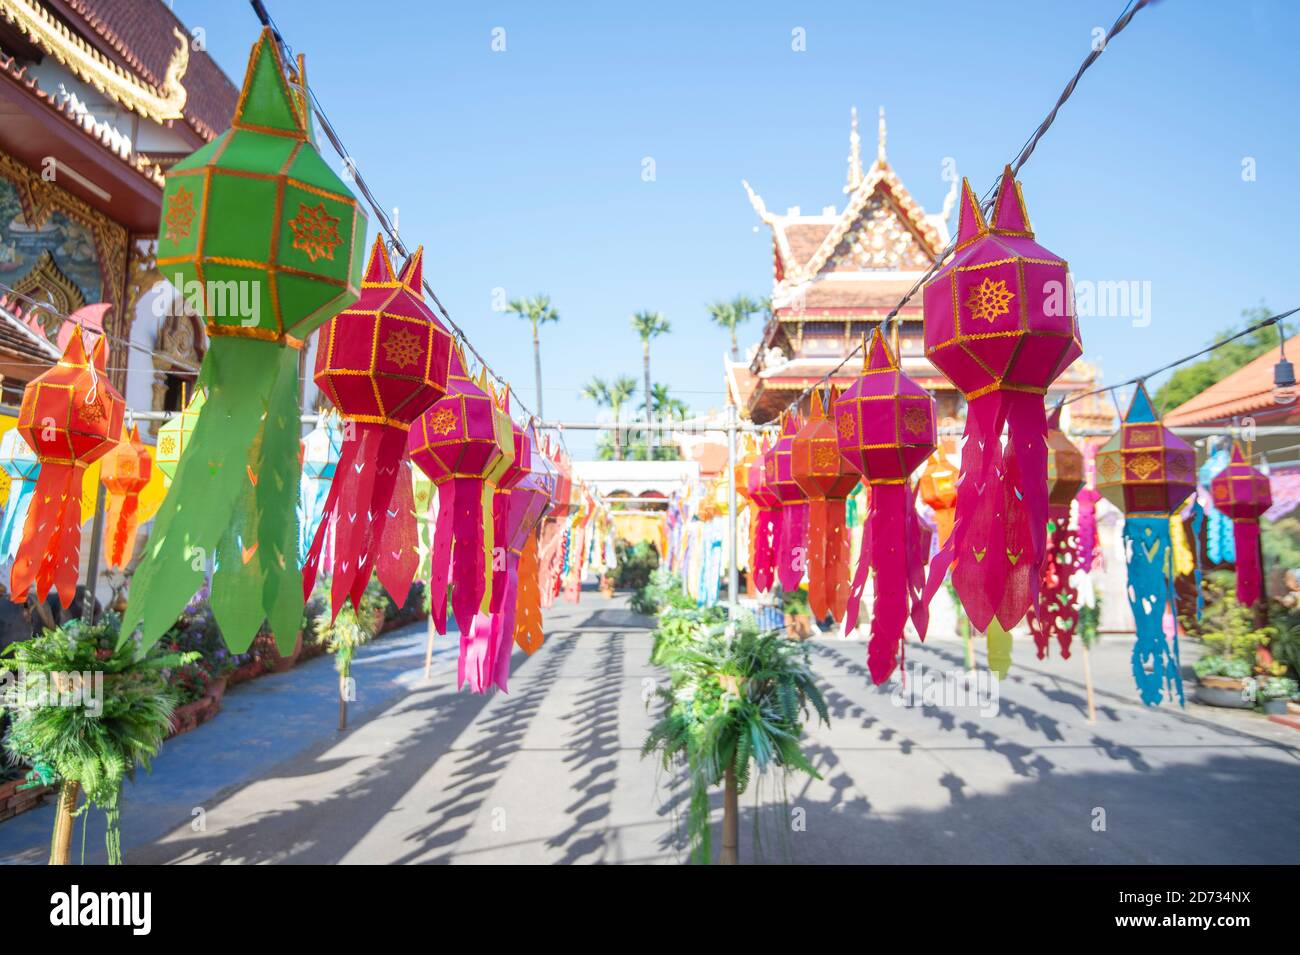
[1142,437]
[1109,469]
[826,457]
[990,299]
[178,348]
[915,420]
[167,444]
[443,421]
[90,411]
[180,213]
[1144,465]
[846,426]
[46,283]
[1220,492]
[315,232]
[88,64]
[402,348]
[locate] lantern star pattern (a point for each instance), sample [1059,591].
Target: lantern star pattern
[70,416]
[1057,613]
[382,362]
[231,238]
[22,467]
[884,423]
[827,480]
[1148,471]
[1243,493]
[1000,325]
[124,472]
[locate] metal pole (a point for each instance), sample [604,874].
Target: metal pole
[733,573]
[92,559]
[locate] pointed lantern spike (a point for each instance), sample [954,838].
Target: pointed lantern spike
[970,224]
[413,273]
[1009,214]
[379,269]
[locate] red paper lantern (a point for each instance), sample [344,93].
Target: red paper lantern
[1000,325]
[1243,493]
[71,416]
[885,427]
[827,480]
[1057,613]
[382,361]
[766,529]
[792,526]
[464,444]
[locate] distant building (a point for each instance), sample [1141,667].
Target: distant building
[836,275]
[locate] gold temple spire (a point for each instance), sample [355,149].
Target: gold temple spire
[855,154]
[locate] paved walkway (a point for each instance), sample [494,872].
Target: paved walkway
[552,771]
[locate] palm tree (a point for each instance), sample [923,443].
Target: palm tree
[666,406]
[649,325]
[613,395]
[537,311]
[736,312]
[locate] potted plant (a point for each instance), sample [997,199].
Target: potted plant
[798,615]
[1274,693]
[346,633]
[735,703]
[86,711]
[1223,681]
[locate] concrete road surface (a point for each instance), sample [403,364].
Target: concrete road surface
[552,772]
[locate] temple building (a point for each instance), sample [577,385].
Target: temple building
[836,275]
[98,99]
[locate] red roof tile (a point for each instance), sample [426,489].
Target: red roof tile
[1247,390]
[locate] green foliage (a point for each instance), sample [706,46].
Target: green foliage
[1285,644]
[1277,688]
[1281,542]
[634,563]
[736,700]
[1215,665]
[1089,618]
[1226,627]
[730,314]
[351,629]
[1190,380]
[536,310]
[613,395]
[795,603]
[100,745]
[662,589]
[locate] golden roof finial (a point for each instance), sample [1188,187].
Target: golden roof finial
[855,154]
[880,138]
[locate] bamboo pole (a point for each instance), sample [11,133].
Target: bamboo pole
[61,842]
[730,820]
[343,702]
[428,650]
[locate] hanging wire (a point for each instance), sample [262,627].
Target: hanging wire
[381,217]
[986,204]
[43,306]
[1250,329]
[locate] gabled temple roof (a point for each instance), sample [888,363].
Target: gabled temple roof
[1248,390]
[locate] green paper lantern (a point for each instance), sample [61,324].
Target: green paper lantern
[266,243]
[175,435]
[257,232]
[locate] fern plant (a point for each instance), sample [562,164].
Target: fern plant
[736,701]
[93,744]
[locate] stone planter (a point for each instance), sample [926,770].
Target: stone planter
[1225,691]
[1274,707]
[193,714]
[311,649]
[217,688]
[279,664]
[248,671]
[15,800]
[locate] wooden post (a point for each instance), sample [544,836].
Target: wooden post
[428,649]
[61,843]
[730,820]
[343,702]
[1087,680]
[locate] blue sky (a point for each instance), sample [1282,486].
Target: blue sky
[522,170]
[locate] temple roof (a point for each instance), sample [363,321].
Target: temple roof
[880,234]
[1247,391]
